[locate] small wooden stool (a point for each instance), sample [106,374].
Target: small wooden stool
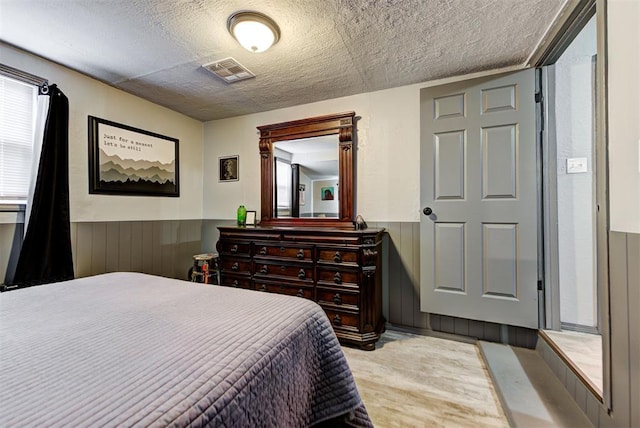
[205,268]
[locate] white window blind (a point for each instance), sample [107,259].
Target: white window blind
[283,180]
[18,102]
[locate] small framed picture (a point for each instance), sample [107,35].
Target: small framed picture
[326,193]
[229,168]
[251,218]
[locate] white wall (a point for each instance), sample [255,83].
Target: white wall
[574,139]
[388,152]
[320,206]
[623,21]
[90,97]
[306,209]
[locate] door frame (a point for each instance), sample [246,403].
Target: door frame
[579,12]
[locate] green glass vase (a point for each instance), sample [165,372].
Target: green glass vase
[242,215]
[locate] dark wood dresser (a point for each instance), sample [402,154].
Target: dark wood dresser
[340,269]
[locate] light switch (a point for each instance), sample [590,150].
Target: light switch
[576,165]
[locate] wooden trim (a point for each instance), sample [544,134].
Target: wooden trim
[342,125]
[568,23]
[567,362]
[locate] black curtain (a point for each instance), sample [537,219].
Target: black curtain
[46,250]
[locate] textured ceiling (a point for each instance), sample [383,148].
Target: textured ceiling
[328,48]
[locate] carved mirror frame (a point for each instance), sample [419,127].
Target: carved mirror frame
[342,125]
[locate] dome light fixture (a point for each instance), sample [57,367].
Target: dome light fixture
[255,31]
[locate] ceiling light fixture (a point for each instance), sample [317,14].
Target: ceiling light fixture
[253,30]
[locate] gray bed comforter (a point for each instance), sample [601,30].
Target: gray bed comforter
[127,349]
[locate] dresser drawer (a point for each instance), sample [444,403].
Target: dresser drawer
[271,250]
[234,247]
[287,271]
[237,281]
[342,319]
[338,256]
[288,289]
[235,265]
[338,298]
[338,277]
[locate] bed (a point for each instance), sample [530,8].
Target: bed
[129,349]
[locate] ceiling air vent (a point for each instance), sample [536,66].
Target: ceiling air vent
[229,70]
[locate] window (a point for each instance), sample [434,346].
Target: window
[18,103]
[283,189]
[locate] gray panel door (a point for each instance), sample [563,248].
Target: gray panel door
[478,177]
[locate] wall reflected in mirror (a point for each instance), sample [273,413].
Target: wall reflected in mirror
[306,178]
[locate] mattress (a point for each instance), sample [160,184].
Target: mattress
[129,349]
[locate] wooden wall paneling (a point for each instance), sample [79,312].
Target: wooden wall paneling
[593,409]
[210,236]
[385,267]
[168,239]
[434,321]
[395,275]
[619,325]
[74,247]
[491,331]
[112,247]
[461,326]
[11,241]
[156,248]
[181,247]
[136,246]
[633,274]
[408,298]
[420,319]
[580,395]
[195,243]
[84,249]
[147,247]
[189,235]
[98,247]
[124,246]
[447,324]
[476,328]
[7,231]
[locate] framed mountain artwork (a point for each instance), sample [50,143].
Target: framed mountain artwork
[124,160]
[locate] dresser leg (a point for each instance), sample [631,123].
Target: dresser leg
[368,347]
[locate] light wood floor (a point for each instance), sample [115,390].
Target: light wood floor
[584,350]
[421,381]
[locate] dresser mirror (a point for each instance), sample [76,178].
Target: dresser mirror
[307,170]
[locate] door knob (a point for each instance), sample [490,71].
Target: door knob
[427,211]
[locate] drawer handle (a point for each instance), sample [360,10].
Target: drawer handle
[283,268]
[263,287]
[337,299]
[337,257]
[300,293]
[235,266]
[263,251]
[235,283]
[300,255]
[281,287]
[264,269]
[234,249]
[282,249]
[302,274]
[337,320]
[337,278]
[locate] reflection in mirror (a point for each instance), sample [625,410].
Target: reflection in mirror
[306,177]
[304,149]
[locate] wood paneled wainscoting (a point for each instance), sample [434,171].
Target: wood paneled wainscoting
[166,247]
[160,247]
